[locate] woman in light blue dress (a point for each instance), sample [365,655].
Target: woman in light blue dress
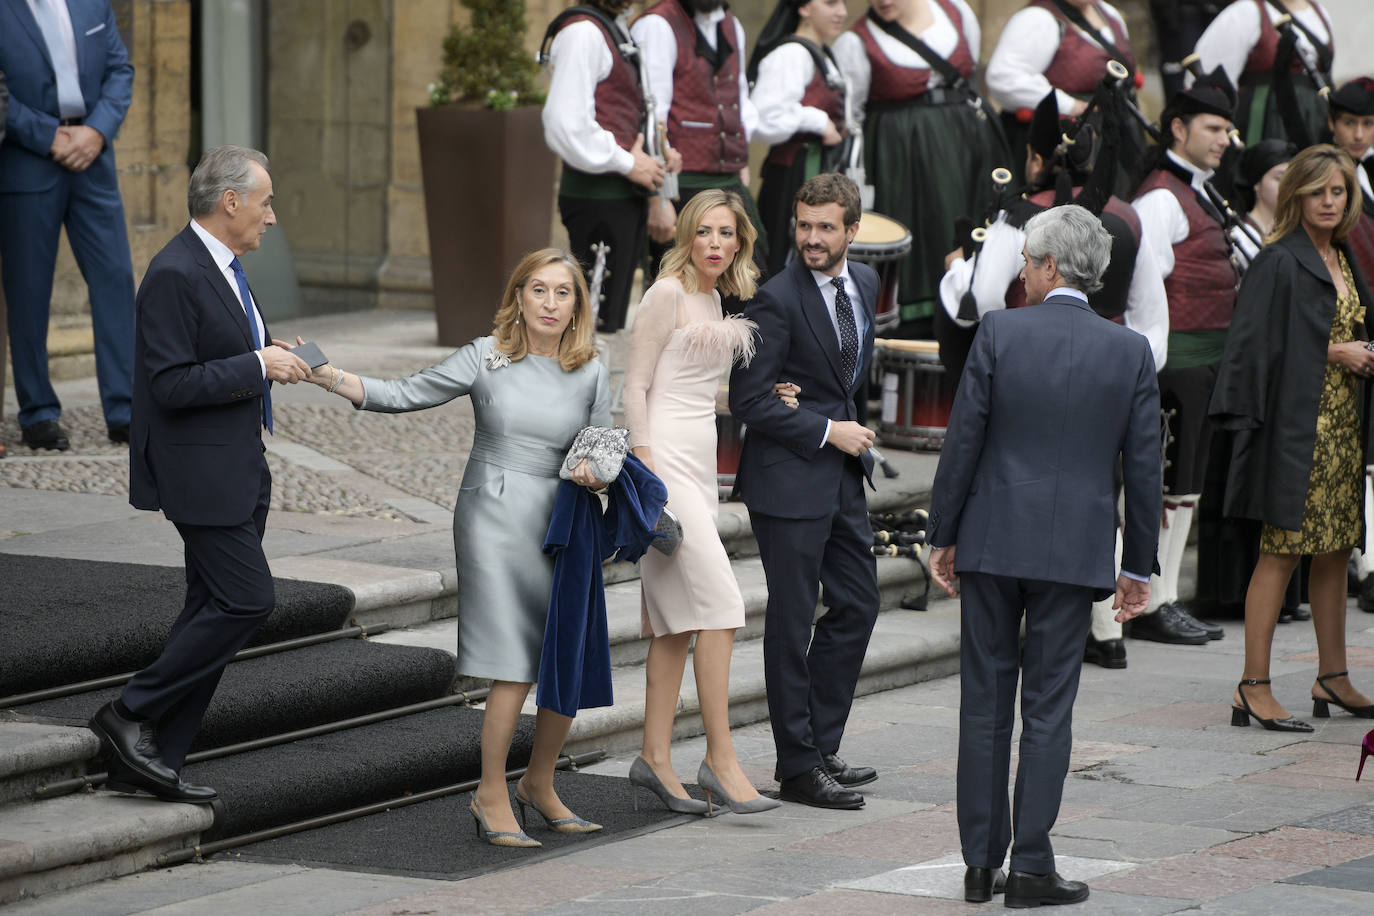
[534,383]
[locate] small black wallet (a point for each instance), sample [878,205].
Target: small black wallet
[312,354]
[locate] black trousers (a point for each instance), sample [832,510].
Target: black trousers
[229,594]
[623,225]
[810,674]
[1057,618]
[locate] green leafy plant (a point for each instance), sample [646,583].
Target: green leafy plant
[486,62]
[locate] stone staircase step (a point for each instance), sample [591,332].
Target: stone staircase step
[77,839]
[32,754]
[907,647]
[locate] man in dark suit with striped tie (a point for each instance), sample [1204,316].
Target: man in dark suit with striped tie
[203,368]
[802,474]
[1023,518]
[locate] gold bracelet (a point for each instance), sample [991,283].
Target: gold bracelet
[338,377]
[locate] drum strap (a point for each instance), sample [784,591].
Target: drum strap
[948,72]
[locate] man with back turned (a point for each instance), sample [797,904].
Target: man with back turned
[1023,519]
[203,367]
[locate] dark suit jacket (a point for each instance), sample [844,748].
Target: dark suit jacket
[784,470]
[1051,396]
[195,448]
[106,77]
[1269,383]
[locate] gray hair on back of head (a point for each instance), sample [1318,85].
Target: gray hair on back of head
[224,168]
[1080,244]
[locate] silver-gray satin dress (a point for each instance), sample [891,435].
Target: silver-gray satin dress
[527,415]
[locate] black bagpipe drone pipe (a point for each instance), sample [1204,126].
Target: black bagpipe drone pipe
[903,534]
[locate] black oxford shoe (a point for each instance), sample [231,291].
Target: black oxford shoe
[118,433]
[1213,631]
[123,779]
[1027,890]
[1109,653]
[1166,625]
[47,434]
[818,789]
[846,775]
[132,751]
[981,883]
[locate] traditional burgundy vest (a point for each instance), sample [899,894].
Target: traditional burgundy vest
[1016,292]
[1361,241]
[818,94]
[891,83]
[1079,63]
[619,101]
[704,122]
[1261,59]
[1202,286]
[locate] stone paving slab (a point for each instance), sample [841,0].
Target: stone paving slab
[1302,845]
[1132,841]
[842,902]
[1197,877]
[1290,898]
[1182,769]
[152,889]
[1356,819]
[913,837]
[1355,875]
[283,896]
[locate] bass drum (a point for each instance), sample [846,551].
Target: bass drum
[882,243]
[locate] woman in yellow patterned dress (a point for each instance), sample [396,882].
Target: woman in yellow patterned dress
[1292,385]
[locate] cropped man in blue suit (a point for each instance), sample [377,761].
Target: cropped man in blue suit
[1023,518]
[203,364]
[801,474]
[70,84]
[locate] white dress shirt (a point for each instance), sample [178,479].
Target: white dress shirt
[783,77]
[942,38]
[1229,38]
[580,59]
[999,265]
[67,72]
[825,283]
[1162,220]
[222,256]
[1027,46]
[658,44]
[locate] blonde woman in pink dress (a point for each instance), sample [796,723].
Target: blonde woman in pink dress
[680,346]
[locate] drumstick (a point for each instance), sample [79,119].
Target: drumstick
[888,470]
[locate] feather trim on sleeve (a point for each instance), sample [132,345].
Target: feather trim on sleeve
[733,338]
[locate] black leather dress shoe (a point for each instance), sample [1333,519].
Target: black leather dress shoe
[846,775]
[818,789]
[981,883]
[1027,890]
[1109,653]
[1165,625]
[122,779]
[118,433]
[47,434]
[133,753]
[1213,631]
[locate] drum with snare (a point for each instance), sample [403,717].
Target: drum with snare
[882,243]
[917,393]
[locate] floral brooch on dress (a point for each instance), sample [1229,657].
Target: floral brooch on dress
[496,359]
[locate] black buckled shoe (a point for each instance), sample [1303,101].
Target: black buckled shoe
[1167,626]
[1213,631]
[134,759]
[818,789]
[1027,890]
[981,883]
[47,434]
[1109,653]
[846,775]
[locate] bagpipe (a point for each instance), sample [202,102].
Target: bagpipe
[970,238]
[903,534]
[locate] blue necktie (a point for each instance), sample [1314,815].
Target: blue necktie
[70,102]
[237,268]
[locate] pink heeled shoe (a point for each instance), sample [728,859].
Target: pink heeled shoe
[1366,748]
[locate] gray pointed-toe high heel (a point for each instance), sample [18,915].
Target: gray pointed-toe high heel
[517,839]
[642,776]
[572,824]
[706,778]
